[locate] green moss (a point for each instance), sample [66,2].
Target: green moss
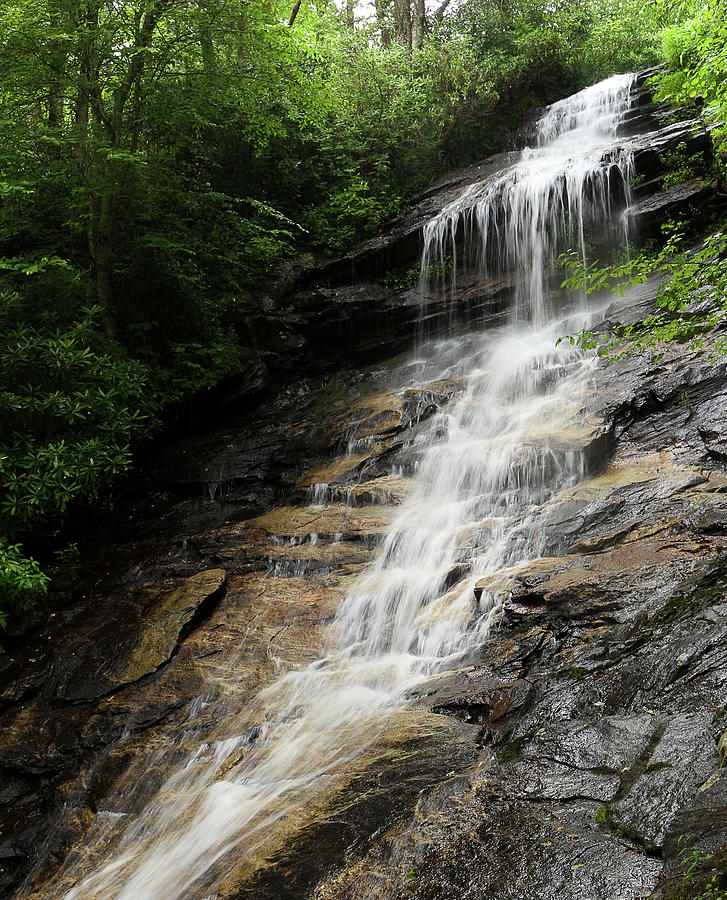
[674,608]
[397,360]
[603,816]
[575,673]
[514,750]
[710,590]
[692,887]
[325,399]
[691,890]
[656,767]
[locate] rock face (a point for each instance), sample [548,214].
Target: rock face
[367,305]
[600,697]
[576,754]
[371,316]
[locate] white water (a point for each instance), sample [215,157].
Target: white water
[488,462]
[514,221]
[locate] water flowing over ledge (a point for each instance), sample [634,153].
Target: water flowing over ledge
[516,221]
[487,463]
[482,469]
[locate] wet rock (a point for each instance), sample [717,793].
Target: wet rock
[477,701]
[399,243]
[674,201]
[564,757]
[136,637]
[675,763]
[414,750]
[293,523]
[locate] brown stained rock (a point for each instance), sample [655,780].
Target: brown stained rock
[163,626]
[388,489]
[294,522]
[310,557]
[340,470]
[625,468]
[380,784]
[246,550]
[590,581]
[390,412]
[485,703]
[126,638]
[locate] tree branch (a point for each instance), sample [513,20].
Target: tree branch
[294,13]
[441,9]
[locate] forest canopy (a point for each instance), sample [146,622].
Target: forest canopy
[160,159]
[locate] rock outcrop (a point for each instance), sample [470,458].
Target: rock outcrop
[577,753]
[367,305]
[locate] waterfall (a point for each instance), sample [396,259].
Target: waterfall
[489,460]
[515,220]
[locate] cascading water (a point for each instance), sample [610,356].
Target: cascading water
[514,221]
[491,458]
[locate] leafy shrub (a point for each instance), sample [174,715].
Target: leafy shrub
[21,581]
[70,404]
[691,278]
[695,51]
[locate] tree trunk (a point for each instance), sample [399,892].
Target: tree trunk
[441,9]
[402,23]
[419,26]
[120,129]
[101,245]
[350,14]
[206,44]
[57,65]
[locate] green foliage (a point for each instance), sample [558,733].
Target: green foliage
[69,407]
[701,878]
[694,47]
[691,300]
[21,581]
[684,168]
[514,749]
[405,278]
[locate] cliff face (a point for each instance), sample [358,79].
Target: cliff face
[576,752]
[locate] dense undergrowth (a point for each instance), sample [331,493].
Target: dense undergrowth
[160,160]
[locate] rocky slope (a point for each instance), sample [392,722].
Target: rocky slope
[578,753]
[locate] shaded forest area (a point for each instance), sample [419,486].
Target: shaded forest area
[162,160]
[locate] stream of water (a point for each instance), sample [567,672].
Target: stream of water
[488,461]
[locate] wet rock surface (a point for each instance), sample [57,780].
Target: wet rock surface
[216,579]
[601,694]
[573,755]
[571,758]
